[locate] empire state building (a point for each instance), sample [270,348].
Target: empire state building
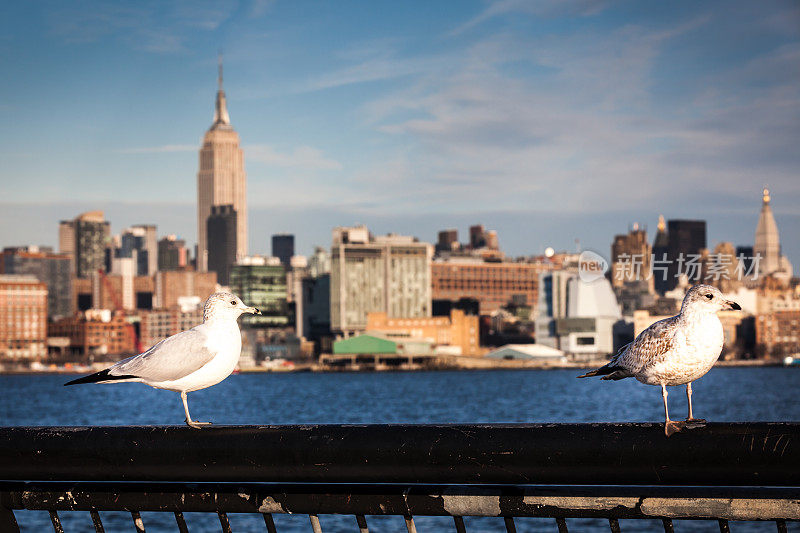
[221,180]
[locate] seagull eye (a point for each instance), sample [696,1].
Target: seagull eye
[710,296]
[233,302]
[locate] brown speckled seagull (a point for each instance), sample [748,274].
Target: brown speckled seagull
[676,350]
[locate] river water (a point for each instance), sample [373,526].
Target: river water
[724,394]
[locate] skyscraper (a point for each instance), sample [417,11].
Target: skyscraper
[685,241]
[222,241]
[768,244]
[660,248]
[139,242]
[85,239]
[283,248]
[221,179]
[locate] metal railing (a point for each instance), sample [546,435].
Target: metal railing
[719,472]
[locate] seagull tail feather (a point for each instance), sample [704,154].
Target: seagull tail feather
[608,371]
[98,377]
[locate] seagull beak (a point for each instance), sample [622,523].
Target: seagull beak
[253,310]
[733,305]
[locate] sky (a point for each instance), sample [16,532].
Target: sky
[557,123]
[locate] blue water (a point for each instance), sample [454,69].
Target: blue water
[725,394]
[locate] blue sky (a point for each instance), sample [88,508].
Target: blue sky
[549,121]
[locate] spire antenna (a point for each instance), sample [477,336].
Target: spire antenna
[219,68]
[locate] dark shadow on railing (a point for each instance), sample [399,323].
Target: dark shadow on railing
[721,472]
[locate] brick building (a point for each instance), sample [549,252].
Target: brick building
[95,333]
[172,285]
[491,283]
[778,332]
[23,318]
[459,329]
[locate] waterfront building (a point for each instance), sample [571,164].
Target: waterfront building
[221,179]
[778,333]
[54,270]
[528,352]
[492,283]
[140,243]
[171,286]
[374,344]
[222,241]
[390,274]
[459,331]
[768,245]
[577,317]
[172,253]
[23,318]
[283,248]
[85,239]
[96,334]
[261,282]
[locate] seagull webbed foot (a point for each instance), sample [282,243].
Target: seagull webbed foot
[197,425]
[671,426]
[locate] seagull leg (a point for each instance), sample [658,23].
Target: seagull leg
[670,427]
[189,421]
[690,418]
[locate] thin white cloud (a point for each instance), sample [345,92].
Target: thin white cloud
[300,157]
[163,149]
[153,27]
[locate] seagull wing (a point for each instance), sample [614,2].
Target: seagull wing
[650,347]
[173,358]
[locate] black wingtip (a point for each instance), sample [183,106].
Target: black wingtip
[103,375]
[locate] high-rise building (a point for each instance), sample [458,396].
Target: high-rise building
[261,283]
[221,179]
[283,247]
[660,249]
[391,274]
[768,245]
[139,242]
[630,258]
[85,239]
[23,318]
[319,263]
[686,240]
[222,241]
[52,269]
[171,253]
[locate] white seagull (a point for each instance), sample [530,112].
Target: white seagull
[676,350]
[190,360]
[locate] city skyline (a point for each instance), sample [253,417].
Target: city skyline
[548,122]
